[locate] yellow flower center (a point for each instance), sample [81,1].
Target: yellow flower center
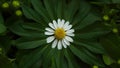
[60,33]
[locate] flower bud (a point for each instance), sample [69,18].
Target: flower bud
[16,3]
[18,12]
[95,66]
[115,30]
[118,61]
[5,5]
[0,50]
[106,17]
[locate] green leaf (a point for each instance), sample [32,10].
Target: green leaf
[71,10]
[31,14]
[2,28]
[92,31]
[1,19]
[50,9]
[4,62]
[83,12]
[18,29]
[105,1]
[38,6]
[29,43]
[47,58]
[85,56]
[33,26]
[5,43]
[29,59]
[90,35]
[116,1]
[70,60]
[36,65]
[94,47]
[112,45]
[57,57]
[88,20]
[64,63]
[59,8]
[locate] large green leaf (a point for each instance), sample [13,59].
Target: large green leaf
[71,9]
[53,63]
[112,45]
[1,19]
[116,1]
[85,56]
[5,43]
[109,1]
[29,59]
[31,14]
[2,26]
[46,63]
[104,1]
[50,9]
[71,60]
[64,63]
[29,43]
[83,12]
[59,8]
[94,47]
[88,20]
[92,31]
[17,28]
[57,57]
[38,6]
[91,35]
[36,65]
[4,62]
[33,26]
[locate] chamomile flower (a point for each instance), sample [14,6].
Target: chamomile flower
[59,33]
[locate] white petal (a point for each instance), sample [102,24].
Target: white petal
[61,23]
[58,20]
[70,31]
[64,45]
[66,42]
[68,27]
[69,38]
[63,20]
[59,45]
[49,29]
[50,39]
[66,24]
[70,34]
[55,24]
[51,25]
[49,33]
[54,44]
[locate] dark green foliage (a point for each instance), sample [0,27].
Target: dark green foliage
[96,42]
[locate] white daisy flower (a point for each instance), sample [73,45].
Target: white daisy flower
[60,34]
